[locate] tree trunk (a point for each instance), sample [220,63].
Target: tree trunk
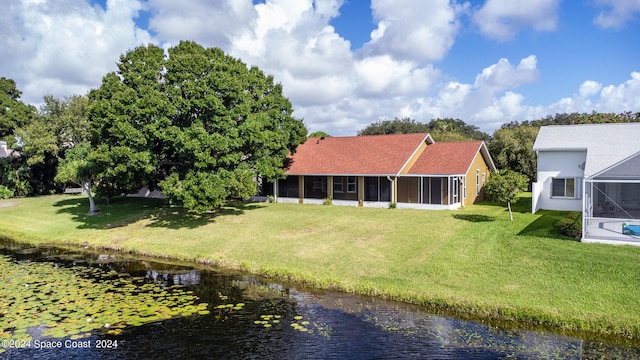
[510,214]
[92,204]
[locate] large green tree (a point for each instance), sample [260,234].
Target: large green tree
[511,147]
[199,124]
[15,174]
[13,112]
[59,125]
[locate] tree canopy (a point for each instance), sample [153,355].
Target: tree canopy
[13,112]
[197,123]
[511,147]
[59,125]
[449,129]
[15,174]
[77,167]
[503,187]
[395,126]
[317,134]
[581,118]
[440,129]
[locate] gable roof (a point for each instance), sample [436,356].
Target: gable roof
[605,144]
[356,155]
[450,158]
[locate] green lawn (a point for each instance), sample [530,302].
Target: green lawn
[472,261]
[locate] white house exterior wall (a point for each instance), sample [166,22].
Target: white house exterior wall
[558,164]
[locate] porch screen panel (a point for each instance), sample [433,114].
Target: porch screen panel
[385,189]
[266,188]
[426,189]
[377,189]
[630,195]
[436,191]
[315,187]
[288,187]
[371,188]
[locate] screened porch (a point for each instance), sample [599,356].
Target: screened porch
[430,192]
[612,204]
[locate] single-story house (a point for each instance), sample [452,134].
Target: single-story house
[594,169]
[408,170]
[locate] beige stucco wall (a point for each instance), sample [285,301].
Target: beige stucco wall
[470,179]
[414,158]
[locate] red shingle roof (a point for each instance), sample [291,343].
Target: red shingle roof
[446,158]
[355,155]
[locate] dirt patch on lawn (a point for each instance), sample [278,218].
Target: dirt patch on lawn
[7,203]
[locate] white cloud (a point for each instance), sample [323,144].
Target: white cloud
[616,98]
[608,99]
[203,21]
[503,75]
[65,47]
[503,19]
[328,89]
[618,12]
[382,76]
[413,30]
[589,88]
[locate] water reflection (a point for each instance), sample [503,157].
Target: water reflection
[190,278]
[336,326]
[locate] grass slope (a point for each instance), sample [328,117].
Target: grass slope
[472,261]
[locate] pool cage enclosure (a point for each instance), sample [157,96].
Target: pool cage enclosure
[612,199]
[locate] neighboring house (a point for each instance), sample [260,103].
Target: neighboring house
[409,170]
[594,169]
[5,153]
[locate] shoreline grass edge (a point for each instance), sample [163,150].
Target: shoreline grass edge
[609,328]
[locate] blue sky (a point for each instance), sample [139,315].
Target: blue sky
[347,63]
[578,50]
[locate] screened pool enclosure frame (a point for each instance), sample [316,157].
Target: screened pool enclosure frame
[611,199]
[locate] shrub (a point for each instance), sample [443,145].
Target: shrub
[392,205]
[5,193]
[571,224]
[326,201]
[271,199]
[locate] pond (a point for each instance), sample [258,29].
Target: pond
[58,303]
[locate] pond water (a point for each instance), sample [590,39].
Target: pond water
[176,311]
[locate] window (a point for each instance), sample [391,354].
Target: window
[477,182]
[318,184]
[351,184]
[337,184]
[563,188]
